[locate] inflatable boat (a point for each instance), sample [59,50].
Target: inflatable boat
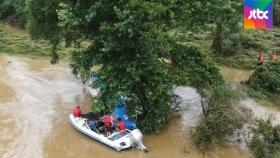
[117,140]
[131,137]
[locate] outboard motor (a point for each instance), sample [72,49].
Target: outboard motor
[136,138]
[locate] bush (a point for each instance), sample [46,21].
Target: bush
[266,78]
[14,10]
[266,140]
[221,119]
[195,66]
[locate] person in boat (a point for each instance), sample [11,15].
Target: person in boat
[121,125]
[92,125]
[260,59]
[77,112]
[108,124]
[273,57]
[120,110]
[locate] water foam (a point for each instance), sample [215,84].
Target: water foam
[30,114]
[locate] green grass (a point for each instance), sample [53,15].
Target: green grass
[252,43]
[22,45]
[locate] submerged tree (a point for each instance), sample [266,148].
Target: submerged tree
[266,140]
[266,79]
[130,40]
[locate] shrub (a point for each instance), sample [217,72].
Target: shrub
[266,78]
[221,119]
[266,140]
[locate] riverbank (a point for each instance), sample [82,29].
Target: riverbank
[252,42]
[15,41]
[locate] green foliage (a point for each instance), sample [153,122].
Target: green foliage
[128,43]
[266,78]
[266,140]
[221,119]
[129,39]
[276,12]
[14,10]
[222,18]
[253,42]
[192,64]
[22,45]
[42,22]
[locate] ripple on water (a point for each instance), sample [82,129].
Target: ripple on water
[30,113]
[6,92]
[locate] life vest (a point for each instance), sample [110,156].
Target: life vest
[261,59]
[121,125]
[107,120]
[273,57]
[77,112]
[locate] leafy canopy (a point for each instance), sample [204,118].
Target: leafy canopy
[266,140]
[130,40]
[266,78]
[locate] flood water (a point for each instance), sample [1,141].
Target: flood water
[36,98]
[235,75]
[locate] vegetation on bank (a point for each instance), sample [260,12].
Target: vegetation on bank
[251,43]
[266,140]
[147,47]
[221,117]
[14,12]
[22,45]
[265,82]
[133,52]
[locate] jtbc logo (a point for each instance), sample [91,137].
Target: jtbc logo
[258,14]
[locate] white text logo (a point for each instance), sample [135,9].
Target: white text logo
[258,14]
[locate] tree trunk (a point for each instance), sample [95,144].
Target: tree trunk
[218,39]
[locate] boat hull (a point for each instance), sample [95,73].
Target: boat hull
[118,144]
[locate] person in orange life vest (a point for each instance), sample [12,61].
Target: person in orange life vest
[121,125]
[108,123]
[273,57]
[260,59]
[77,112]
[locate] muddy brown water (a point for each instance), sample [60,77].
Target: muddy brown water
[235,75]
[35,100]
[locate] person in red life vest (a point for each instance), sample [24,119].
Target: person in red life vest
[121,125]
[108,124]
[273,57]
[260,59]
[77,112]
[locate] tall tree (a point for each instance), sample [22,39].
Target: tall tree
[43,23]
[130,40]
[276,12]
[222,18]
[13,11]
